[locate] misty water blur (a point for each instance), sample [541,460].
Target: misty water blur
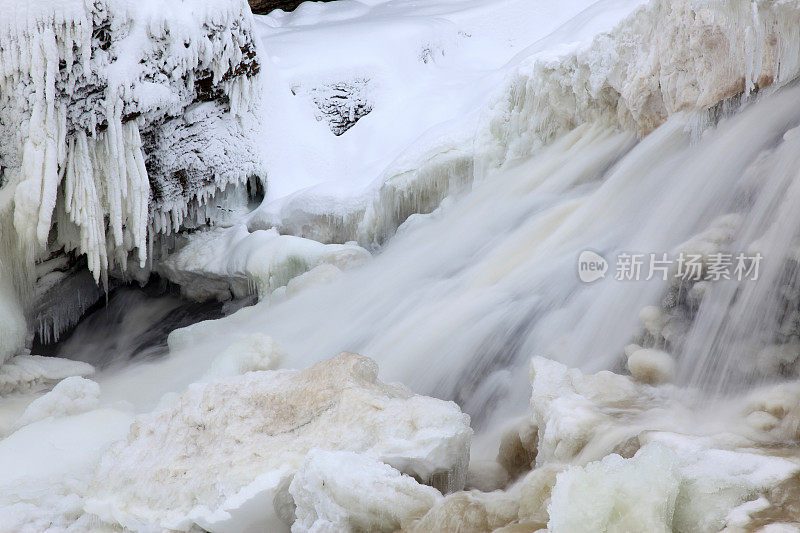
[456,306]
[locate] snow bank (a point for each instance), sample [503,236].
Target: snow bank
[222,456]
[71,396]
[43,488]
[344,491]
[225,261]
[669,56]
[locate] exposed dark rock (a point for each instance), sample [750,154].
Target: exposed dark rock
[263,7]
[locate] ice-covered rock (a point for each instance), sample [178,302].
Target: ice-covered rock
[652,366]
[472,511]
[223,454]
[574,412]
[225,261]
[88,90]
[33,372]
[345,491]
[71,396]
[119,122]
[250,354]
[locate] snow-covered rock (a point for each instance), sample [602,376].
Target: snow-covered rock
[34,372]
[71,396]
[119,121]
[230,261]
[344,491]
[223,454]
[649,365]
[250,354]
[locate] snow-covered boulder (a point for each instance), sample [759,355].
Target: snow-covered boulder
[345,491]
[222,455]
[71,396]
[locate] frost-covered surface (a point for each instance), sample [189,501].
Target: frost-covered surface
[235,443]
[232,261]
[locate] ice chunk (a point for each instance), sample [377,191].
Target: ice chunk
[618,495]
[344,491]
[221,456]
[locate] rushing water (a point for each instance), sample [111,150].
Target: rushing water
[457,306]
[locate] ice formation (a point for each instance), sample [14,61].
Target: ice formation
[207,475]
[617,495]
[345,491]
[667,57]
[119,121]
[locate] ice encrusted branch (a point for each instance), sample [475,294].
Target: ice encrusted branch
[86,88]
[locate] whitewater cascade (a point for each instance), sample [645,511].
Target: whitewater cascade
[620,401]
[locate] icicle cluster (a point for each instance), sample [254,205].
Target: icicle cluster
[85,88]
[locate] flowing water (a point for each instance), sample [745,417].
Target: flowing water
[457,306]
